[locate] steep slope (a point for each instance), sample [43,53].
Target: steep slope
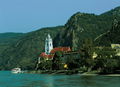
[110,37]
[78,27]
[27,49]
[83,26]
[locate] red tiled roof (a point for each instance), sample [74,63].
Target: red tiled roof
[64,49]
[44,55]
[50,56]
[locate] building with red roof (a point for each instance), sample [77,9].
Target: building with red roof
[46,56]
[50,51]
[63,49]
[53,51]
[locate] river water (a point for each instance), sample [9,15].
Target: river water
[7,79]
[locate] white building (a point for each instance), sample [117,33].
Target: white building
[48,44]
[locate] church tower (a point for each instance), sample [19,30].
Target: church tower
[48,44]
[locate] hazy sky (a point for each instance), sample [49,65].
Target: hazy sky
[30,15]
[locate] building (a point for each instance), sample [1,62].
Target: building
[117,48]
[53,51]
[48,44]
[63,49]
[50,51]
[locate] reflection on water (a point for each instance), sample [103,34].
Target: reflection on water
[43,80]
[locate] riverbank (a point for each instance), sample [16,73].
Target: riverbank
[67,72]
[70,72]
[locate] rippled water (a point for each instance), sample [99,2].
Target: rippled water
[7,79]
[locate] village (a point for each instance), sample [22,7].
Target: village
[65,59]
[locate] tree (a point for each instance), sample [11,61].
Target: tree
[106,61]
[87,54]
[56,62]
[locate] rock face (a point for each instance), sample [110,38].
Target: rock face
[82,26]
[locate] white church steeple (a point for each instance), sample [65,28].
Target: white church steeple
[48,44]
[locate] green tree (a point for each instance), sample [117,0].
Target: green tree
[106,61]
[87,54]
[56,62]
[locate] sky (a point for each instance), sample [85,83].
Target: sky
[30,15]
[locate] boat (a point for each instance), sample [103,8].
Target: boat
[16,70]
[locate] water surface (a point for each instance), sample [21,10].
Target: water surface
[7,79]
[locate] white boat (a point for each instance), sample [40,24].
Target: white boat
[16,70]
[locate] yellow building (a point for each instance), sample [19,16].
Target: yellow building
[117,47]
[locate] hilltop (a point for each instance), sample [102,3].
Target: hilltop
[82,26]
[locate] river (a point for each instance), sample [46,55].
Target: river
[7,79]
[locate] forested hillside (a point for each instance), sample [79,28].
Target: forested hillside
[82,26]
[6,39]
[110,37]
[25,51]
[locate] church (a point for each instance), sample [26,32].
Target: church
[50,51]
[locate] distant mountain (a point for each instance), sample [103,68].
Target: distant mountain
[110,37]
[80,26]
[8,38]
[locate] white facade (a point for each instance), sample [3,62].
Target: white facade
[48,44]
